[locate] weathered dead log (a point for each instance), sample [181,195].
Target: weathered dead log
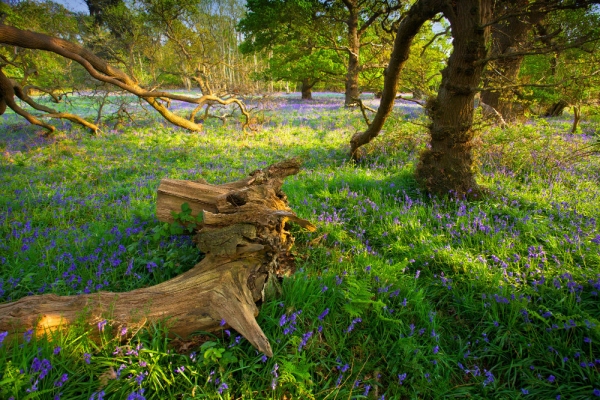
[246,246]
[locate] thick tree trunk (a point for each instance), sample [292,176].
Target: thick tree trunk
[447,165]
[306,89]
[245,243]
[419,13]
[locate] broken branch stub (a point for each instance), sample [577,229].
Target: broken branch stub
[243,235]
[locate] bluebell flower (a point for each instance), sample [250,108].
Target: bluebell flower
[139,378]
[401,378]
[367,389]
[62,380]
[323,314]
[223,387]
[354,322]
[27,335]
[305,338]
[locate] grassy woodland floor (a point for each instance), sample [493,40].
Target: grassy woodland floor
[398,295]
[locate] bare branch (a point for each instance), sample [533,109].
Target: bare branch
[51,113]
[102,71]
[364,109]
[419,102]
[433,39]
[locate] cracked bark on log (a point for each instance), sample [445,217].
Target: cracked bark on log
[245,243]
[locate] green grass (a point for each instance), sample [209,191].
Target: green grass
[488,299]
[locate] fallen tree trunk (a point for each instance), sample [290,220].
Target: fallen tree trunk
[245,243]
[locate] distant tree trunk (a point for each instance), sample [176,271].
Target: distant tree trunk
[576,118]
[556,109]
[352,92]
[447,165]
[306,89]
[507,37]
[187,82]
[98,7]
[418,94]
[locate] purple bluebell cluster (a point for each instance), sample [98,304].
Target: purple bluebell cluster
[436,280]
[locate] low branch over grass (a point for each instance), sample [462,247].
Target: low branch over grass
[419,13]
[99,69]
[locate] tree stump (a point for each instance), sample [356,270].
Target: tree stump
[246,245]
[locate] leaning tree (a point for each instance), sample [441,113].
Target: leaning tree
[447,164]
[99,69]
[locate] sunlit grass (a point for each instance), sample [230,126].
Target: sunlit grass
[397,295]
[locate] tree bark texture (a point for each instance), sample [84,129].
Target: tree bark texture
[419,13]
[245,243]
[447,165]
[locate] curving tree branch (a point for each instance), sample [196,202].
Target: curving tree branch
[99,69]
[419,13]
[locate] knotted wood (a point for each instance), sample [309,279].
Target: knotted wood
[246,245]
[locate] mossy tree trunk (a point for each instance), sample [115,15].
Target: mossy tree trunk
[447,164]
[246,245]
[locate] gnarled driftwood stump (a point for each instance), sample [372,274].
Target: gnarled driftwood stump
[245,243]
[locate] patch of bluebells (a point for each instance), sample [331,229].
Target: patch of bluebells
[136,395]
[97,395]
[401,378]
[353,324]
[289,323]
[62,380]
[275,376]
[304,340]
